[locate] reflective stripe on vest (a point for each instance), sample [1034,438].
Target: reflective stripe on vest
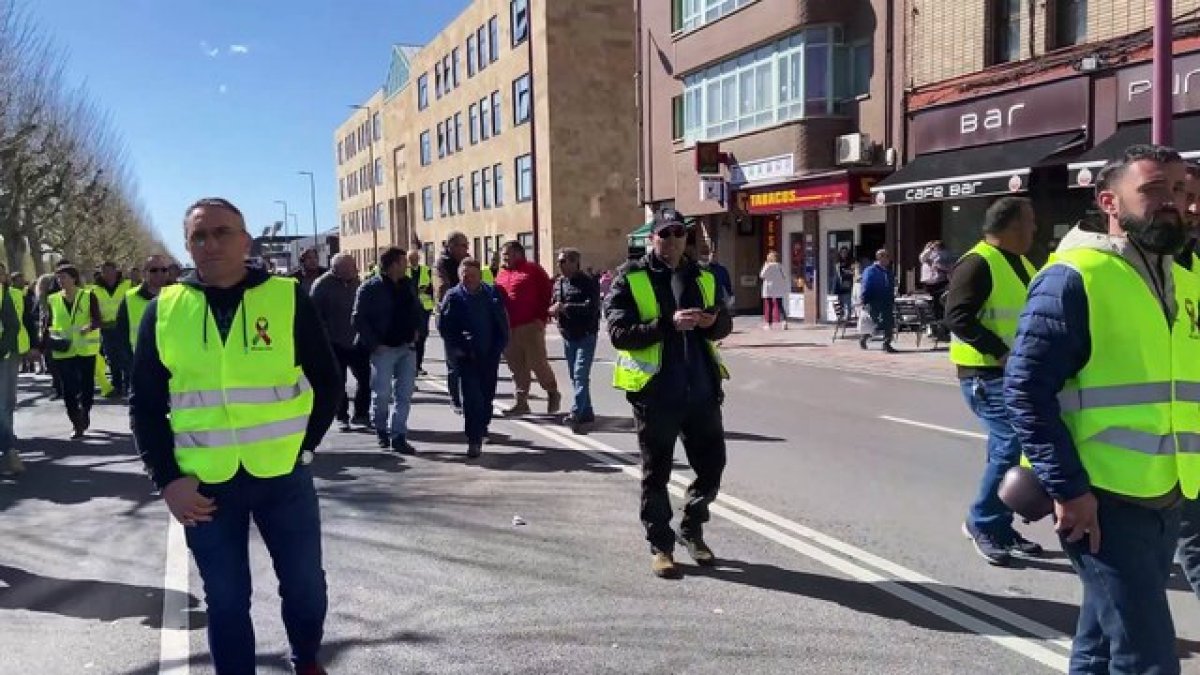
[424,281]
[18,299]
[1132,409]
[633,370]
[1002,310]
[69,324]
[135,308]
[111,304]
[240,401]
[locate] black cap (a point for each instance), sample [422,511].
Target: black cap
[666,218]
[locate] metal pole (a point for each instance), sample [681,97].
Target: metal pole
[533,162]
[312,193]
[284,222]
[1163,84]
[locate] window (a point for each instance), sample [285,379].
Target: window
[340,148]
[521,100]
[494,38]
[447,82]
[380,217]
[861,67]
[341,189]
[1070,22]
[379,171]
[458,132]
[496,113]
[442,199]
[473,120]
[449,135]
[437,79]
[454,67]
[458,194]
[472,55]
[526,240]
[485,119]
[427,203]
[481,39]
[376,127]
[789,79]
[441,133]
[452,197]
[524,178]
[475,190]
[487,187]
[477,250]
[519,10]
[426,150]
[498,184]
[691,14]
[1006,31]
[677,118]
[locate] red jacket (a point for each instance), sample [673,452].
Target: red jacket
[527,291]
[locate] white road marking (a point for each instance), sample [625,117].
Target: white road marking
[175,644]
[934,427]
[810,543]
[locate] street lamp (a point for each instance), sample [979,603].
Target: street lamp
[371,171]
[312,192]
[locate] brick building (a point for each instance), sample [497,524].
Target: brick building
[516,112]
[1011,97]
[801,98]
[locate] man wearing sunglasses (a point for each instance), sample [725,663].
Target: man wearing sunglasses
[129,317]
[665,315]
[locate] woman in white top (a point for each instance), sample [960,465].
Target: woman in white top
[775,288]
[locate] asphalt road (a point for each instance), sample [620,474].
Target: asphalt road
[838,535]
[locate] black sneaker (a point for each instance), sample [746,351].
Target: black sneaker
[385,441]
[474,450]
[360,420]
[1020,547]
[344,425]
[988,547]
[699,551]
[401,445]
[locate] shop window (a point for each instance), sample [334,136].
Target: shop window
[1069,23]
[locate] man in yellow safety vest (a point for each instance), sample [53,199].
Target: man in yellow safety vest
[983,303]
[422,277]
[129,317]
[1102,387]
[234,386]
[14,345]
[110,293]
[665,315]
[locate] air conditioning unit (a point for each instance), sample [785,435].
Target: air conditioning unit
[853,149]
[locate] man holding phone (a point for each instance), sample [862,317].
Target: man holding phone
[665,314]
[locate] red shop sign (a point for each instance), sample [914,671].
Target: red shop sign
[798,198]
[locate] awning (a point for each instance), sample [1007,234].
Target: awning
[640,238]
[1084,169]
[972,172]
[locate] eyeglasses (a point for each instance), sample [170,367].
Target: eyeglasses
[673,231]
[156,270]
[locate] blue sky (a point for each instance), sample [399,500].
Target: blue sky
[232,97]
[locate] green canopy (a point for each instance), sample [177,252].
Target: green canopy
[640,238]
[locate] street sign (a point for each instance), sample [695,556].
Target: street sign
[708,158]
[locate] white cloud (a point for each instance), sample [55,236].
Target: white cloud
[239,49]
[222,90]
[208,49]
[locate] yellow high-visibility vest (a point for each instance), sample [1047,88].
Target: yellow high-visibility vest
[135,308]
[1002,310]
[70,324]
[1132,408]
[241,402]
[635,369]
[18,299]
[486,273]
[110,303]
[424,281]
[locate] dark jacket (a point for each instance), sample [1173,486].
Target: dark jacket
[879,288]
[386,313]
[334,299]
[474,327]
[306,280]
[579,306]
[149,403]
[688,374]
[445,274]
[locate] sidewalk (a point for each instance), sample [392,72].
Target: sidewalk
[813,345]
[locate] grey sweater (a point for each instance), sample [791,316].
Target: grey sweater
[334,299]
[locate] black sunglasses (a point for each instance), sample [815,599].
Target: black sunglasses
[673,231]
[155,270]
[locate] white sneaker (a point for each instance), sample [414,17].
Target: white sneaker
[13,463]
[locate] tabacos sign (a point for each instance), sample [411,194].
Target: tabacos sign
[1025,113]
[1135,88]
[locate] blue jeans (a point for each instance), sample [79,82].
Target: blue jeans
[1125,622]
[288,517]
[119,357]
[393,376]
[985,397]
[1189,543]
[579,359]
[10,369]
[477,391]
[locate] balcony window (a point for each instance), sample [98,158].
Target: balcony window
[691,14]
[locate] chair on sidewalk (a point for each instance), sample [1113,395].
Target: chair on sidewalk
[846,321]
[914,314]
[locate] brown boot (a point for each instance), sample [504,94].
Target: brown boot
[663,566]
[521,407]
[553,402]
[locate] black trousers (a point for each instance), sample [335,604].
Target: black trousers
[703,434]
[357,362]
[78,375]
[422,336]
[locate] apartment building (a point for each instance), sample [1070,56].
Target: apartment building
[768,121]
[514,122]
[1010,97]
